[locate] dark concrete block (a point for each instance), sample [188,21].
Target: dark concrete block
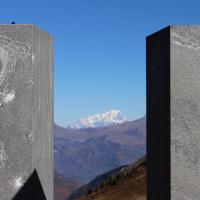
[26,108]
[158,115]
[173,119]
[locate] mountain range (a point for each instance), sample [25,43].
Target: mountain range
[81,154]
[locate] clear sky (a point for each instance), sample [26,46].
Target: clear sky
[99,48]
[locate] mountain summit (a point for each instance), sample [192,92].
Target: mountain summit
[101,120]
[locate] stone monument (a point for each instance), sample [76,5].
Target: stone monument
[173,113]
[26,113]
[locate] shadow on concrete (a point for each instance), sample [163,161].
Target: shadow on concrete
[31,190]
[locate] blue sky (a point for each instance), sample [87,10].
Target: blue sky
[99,48]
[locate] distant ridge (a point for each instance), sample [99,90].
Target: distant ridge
[82,154]
[63,186]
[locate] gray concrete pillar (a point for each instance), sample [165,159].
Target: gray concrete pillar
[26,113]
[173,113]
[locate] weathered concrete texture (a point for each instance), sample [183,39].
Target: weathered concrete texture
[173,113]
[26,108]
[185,112]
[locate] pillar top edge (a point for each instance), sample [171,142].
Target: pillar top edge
[175,26]
[32,26]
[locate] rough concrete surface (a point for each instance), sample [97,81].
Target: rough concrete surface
[185,112]
[26,108]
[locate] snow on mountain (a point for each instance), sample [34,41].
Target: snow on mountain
[101,120]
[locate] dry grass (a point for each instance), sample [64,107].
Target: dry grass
[128,188]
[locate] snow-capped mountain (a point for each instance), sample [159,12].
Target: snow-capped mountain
[101,120]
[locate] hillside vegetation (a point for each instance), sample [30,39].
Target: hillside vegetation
[128,184]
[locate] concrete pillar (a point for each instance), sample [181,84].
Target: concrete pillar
[173,113]
[26,113]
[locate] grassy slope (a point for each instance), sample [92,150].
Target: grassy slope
[129,187]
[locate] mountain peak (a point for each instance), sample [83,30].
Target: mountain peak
[102,119]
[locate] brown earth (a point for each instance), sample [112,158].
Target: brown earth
[129,186]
